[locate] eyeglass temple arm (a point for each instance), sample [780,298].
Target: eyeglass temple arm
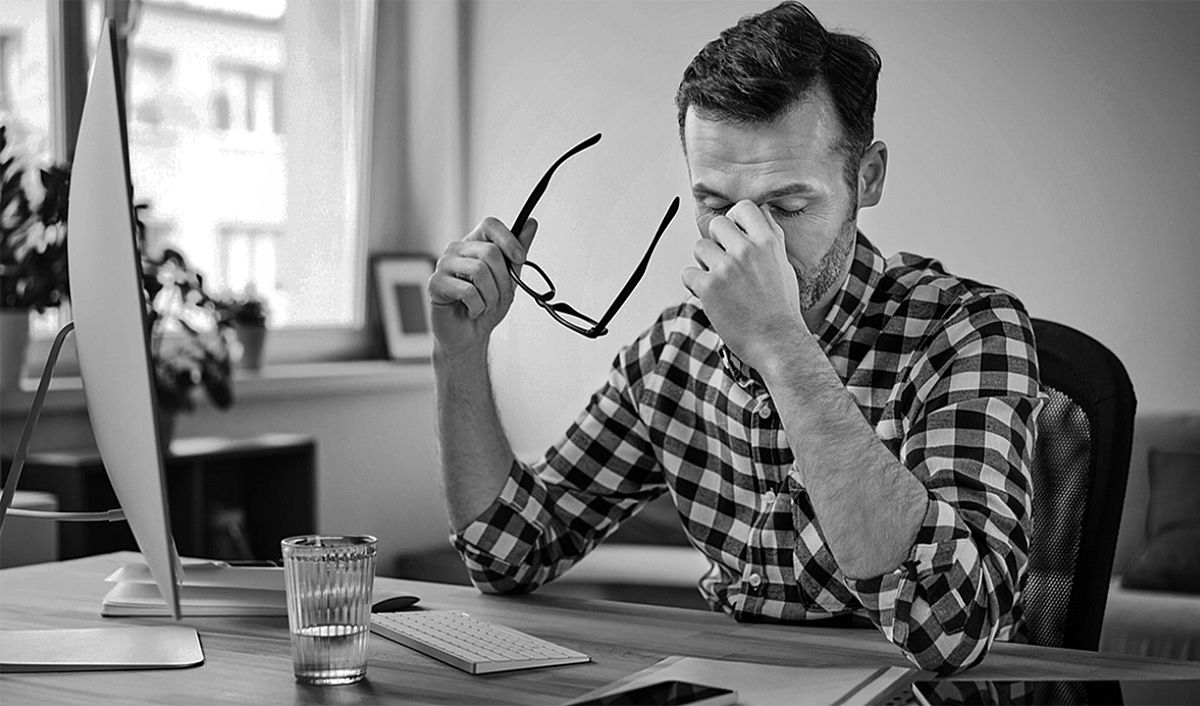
[640,270]
[536,194]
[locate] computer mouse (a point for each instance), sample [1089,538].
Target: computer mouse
[394,603]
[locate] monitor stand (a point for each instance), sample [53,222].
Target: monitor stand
[85,649]
[89,649]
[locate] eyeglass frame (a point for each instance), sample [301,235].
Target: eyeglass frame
[557,310]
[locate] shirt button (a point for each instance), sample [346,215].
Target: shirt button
[769,497]
[765,411]
[755,580]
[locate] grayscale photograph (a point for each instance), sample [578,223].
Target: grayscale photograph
[581,352]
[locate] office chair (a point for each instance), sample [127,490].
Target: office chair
[1080,465]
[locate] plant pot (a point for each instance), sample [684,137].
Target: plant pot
[252,339]
[14,340]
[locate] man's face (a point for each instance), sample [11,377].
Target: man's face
[792,166]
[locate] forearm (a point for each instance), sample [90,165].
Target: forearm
[868,505]
[476,456]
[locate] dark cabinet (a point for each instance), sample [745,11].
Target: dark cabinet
[229,498]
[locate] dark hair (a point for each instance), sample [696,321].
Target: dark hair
[763,65]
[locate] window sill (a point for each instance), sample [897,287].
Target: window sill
[272,382]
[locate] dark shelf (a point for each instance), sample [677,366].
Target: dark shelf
[229,498]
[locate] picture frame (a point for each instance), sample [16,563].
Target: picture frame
[401,287]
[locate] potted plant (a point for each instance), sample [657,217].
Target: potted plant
[188,330]
[247,315]
[33,257]
[189,337]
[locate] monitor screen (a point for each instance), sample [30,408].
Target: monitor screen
[109,310]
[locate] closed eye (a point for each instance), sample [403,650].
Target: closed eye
[786,213]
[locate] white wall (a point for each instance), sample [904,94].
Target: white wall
[1049,148]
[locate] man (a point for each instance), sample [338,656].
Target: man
[840,433]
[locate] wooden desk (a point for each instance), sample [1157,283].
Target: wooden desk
[249,659]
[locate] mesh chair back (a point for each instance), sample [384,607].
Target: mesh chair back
[1079,471]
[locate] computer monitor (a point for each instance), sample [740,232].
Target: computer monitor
[113,339]
[108,306]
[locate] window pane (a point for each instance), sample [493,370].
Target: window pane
[243,133]
[25,96]
[25,77]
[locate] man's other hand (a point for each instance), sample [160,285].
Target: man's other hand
[745,283]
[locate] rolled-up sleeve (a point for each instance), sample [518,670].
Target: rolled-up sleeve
[550,514]
[970,440]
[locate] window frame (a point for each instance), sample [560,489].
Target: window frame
[9,41]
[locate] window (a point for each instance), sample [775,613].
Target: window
[258,197]
[158,235]
[150,84]
[25,95]
[249,265]
[7,69]
[248,99]
[246,133]
[25,78]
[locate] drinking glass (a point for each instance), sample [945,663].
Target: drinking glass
[329,582]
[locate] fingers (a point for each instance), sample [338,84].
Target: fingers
[726,233]
[527,234]
[525,239]
[709,255]
[744,225]
[493,273]
[444,290]
[493,231]
[775,227]
[487,282]
[754,221]
[474,270]
[467,263]
[694,279]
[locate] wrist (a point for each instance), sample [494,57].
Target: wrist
[451,361]
[783,357]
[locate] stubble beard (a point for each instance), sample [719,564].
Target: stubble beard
[829,271]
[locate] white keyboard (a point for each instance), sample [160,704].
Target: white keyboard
[471,644]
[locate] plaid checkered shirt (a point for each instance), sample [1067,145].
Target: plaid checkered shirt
[945,371]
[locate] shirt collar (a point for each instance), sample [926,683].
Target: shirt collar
[859,286]
[852,298]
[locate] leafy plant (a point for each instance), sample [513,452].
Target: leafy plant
[189,331]
[189,334]
[33,233]
[246,310]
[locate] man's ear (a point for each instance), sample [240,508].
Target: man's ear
[872,170]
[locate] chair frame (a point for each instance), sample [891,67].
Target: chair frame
[1107,399]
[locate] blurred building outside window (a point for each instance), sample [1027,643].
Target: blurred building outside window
[245,137]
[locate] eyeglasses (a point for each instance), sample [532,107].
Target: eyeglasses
[543,291]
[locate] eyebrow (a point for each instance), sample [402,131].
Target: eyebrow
[792,189]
